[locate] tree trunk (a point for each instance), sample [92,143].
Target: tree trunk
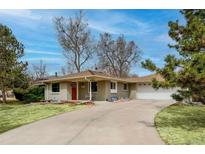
[78,63]
[4,96]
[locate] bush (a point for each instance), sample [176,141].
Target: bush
[177,97]
[20,93]
[183,95]
[32,94]
[35,94]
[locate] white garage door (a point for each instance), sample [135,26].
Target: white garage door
[147,92]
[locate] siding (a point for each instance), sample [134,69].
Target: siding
[100,95]
[132,90]
[121,93]
[83,90]
[57,96]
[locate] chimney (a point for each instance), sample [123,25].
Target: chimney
[56,74]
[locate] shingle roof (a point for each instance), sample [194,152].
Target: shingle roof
[90,73]
[82,74]
[147,78]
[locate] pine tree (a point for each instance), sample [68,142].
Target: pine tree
[186,71]
[10,65]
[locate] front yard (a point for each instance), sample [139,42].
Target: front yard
[16,114]
[182,124]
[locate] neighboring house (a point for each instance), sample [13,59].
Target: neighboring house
[9,95]
[103,87]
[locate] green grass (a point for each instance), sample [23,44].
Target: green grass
[13,115]
[182,124]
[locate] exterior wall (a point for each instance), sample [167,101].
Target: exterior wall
[83,90]
[56,96]
[9,95]
[69,92]
[120,94]
[145,91]
[107,90]
[83,94]
[135,91]
[100,95]
[132,90]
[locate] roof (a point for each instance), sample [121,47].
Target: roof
[84,75]
[88,73]
[146,79]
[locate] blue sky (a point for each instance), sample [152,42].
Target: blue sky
[148,28]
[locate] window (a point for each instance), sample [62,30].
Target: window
[83,85]
[112,85]
[55,87]
[125,86]
[94,87]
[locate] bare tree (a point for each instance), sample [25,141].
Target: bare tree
[39,71]
[75,38]
[117,56]
[63,70]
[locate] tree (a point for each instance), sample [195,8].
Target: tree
[11,50]
[21,84]
[39,71]
[117,56]
[188,70]
[68,69]
[75,39]
[63,70]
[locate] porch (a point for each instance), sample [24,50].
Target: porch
[92,89]
[103,90]
[81,90]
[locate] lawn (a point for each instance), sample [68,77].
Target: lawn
[15,115]
[182,124]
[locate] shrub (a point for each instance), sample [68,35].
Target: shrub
[32,94]
[177,97]
[35,94]
[20,93]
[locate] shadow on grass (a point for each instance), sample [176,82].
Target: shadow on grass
[188,117]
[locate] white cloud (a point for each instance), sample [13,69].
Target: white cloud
[20,13]
[44,59]
[113,23]
[44,52]
[104,21]
[164,38]
[105,28]
[24,18]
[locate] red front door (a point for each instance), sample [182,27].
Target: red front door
[74,91]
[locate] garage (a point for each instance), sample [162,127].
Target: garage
[145,91]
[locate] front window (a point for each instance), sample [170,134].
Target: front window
[125,87]
[112,85]
[55,87]
[94,87]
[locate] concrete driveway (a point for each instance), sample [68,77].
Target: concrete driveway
[107,123]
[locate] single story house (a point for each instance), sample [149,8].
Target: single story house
[9,95]
[95,85]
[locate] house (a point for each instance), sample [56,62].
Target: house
[95,85]
[9,95]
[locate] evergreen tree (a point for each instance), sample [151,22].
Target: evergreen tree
[11,68]
[186,71]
